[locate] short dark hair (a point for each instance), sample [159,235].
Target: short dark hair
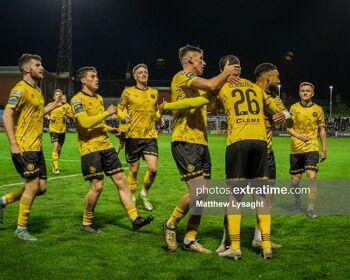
[25,58]
[263,68]
[231,58]
[188,48]
[307,84]
[83,70]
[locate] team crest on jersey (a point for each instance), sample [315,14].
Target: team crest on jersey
[190,168]
[314,114]
[153,96]
[92,169]
[77,106]
[190,75]
[30,167]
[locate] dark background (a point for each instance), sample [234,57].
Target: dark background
[109,33]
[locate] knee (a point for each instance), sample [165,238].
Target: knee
[97,186]
[133,171]
[42,188]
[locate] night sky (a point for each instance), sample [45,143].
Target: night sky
[109,33]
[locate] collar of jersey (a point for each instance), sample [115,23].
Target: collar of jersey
[141,88]
[312,104]
[29,84]
[88,94]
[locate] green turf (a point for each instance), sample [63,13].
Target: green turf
[312,249]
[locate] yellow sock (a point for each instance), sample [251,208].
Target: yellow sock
[192,226]
[312,196]
[14,196]
[24,210]
[176,216]
[55,161]
[265,227]
[234,230]
[132,183]
[148,181]
[131,211]
[88,217]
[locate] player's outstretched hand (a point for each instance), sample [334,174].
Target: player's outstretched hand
[112,109]
[279,117]
[127,119]
[161,107]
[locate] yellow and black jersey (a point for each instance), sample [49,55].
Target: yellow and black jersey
[244,105]
[124,127]
[307,121]
[59,116]
[28,104]
[189,124]
[141,106]
[269,121]
[95,138]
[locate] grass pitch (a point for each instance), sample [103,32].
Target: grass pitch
[312,249]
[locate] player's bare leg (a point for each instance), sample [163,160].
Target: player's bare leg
[125,196]
[96,187]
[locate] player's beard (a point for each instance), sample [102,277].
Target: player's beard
[273,88]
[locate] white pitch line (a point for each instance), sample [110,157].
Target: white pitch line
[51,178]
[50,159]
[58,177]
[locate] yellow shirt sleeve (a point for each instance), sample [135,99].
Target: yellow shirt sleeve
[90,121]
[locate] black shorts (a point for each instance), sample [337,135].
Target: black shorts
[137,147]
[94,164]
[192,160]
[58,137]
[30,165]
[305,161]
[121,137]
[271,166]
[246,159]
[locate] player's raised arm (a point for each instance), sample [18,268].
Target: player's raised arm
[215,83]
[48,108]
[186,103]
[90,121]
